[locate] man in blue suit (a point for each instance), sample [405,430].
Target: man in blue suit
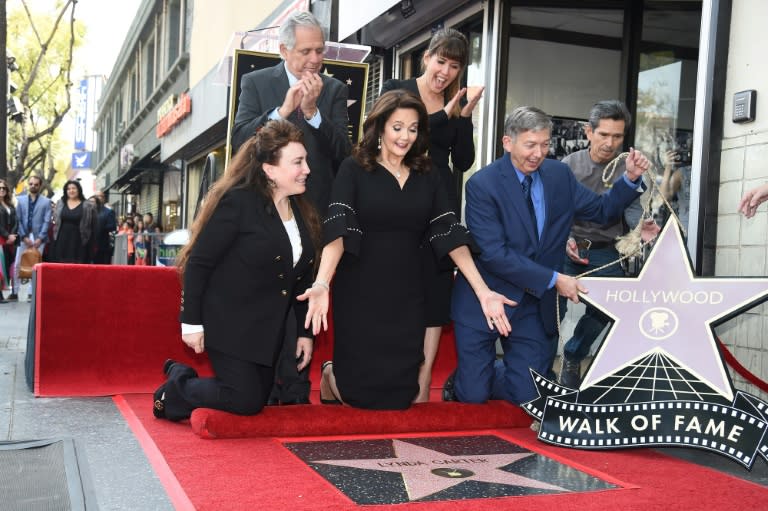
[520,209]
[34,214]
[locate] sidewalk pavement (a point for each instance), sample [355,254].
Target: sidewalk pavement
[119,470]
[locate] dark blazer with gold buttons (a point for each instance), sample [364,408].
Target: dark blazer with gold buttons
[240,282]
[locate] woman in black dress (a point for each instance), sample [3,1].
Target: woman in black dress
[385,201]
[9,226]
[450,138]
[253,246]
[74,226]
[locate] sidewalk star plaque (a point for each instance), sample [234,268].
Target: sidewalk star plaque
[658,378]
[440,468]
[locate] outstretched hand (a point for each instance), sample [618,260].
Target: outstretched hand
[317,312]
[492,304]
[752,199]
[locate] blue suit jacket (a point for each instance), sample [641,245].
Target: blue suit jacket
[512,261]
[41,217]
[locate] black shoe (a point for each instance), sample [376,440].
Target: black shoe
[273,401]
[297,401]
[167,365]
[449,391]
[570,374]
[185,370]
[158,405]
[13,297]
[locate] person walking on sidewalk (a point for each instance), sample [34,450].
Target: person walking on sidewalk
[34,214]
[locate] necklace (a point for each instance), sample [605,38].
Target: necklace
[397,173]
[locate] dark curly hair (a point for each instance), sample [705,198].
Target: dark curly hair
[246,171]
[367,150]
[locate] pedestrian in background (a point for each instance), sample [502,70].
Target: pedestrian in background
[33,211]
[9,226]
[75,223]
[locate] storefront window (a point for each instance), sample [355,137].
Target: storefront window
[563,60]
[666,91]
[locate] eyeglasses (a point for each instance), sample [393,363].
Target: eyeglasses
[3,188]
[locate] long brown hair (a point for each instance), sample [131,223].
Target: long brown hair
[368,149]
[246,171]
[8,193]
[451,44]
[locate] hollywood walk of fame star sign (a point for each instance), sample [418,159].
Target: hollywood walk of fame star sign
[439,468]
[658,378]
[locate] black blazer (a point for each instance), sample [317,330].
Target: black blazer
[240,282]
[264,90]
[9,224]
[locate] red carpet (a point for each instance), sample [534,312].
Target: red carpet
[129,327]
[316,420]
[259,473]
[104,330]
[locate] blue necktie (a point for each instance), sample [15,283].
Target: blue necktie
[526,184]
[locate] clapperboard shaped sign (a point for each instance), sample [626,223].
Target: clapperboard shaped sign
[658,378]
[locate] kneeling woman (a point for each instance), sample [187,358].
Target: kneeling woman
[251,249]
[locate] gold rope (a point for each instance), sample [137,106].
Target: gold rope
[630,244]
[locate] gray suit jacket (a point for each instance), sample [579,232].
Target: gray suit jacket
[264,90]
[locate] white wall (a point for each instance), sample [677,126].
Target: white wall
[541,72]
[213,26]
[742,244]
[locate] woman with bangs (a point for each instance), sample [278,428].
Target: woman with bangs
[452,149]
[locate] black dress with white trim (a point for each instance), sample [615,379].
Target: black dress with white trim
[378,291]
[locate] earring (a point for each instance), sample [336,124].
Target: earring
[379,146]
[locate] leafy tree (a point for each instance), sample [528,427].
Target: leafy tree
[42,44]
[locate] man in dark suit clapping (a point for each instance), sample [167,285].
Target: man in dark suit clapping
[295,90]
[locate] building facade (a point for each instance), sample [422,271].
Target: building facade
[676,63]
[152,66]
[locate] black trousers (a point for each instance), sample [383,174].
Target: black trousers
[290,385]
[238,386]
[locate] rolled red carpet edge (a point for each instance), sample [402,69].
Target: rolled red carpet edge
[323,420]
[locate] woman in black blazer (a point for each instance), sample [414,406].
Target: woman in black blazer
[8,233]
[251,252]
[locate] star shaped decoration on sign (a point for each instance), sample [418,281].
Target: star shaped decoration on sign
[349,81]
[426,471]
[669,311]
